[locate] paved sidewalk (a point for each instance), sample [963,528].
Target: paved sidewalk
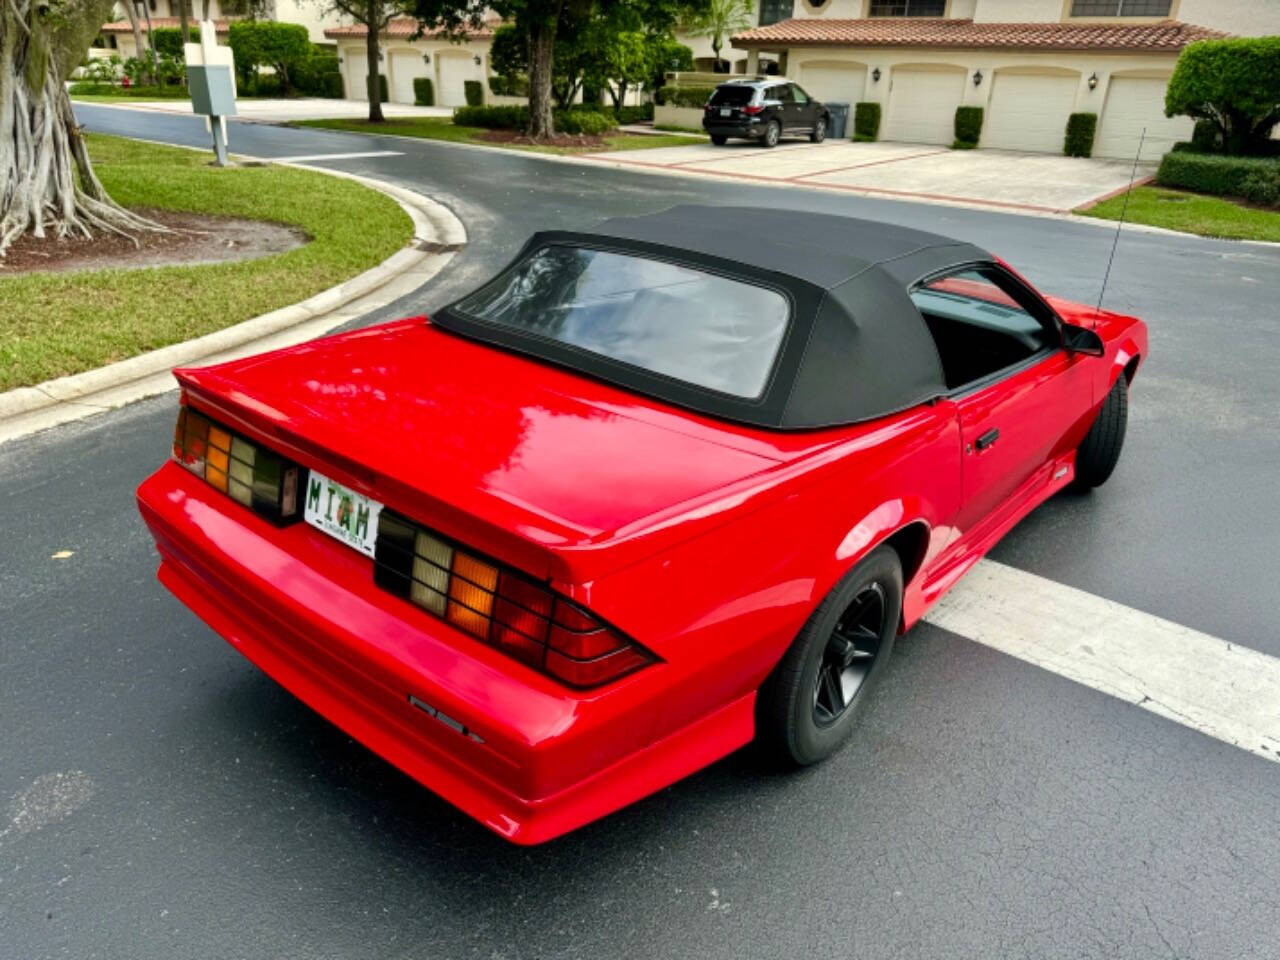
[1028,181]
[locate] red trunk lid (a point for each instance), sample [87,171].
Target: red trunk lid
[491,448]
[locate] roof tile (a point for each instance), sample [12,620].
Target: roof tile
[405,27]
[1163,35]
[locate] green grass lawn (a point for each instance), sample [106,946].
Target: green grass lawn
[442,128]
[1191,213]
[59,323]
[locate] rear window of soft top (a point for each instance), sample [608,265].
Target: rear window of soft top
[713,331]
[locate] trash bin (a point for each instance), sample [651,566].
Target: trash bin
[839,119]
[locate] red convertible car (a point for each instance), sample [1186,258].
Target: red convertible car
[656,490]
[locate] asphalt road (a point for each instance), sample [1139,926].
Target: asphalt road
[985,809]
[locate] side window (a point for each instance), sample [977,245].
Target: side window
[800,96]
[981,323]
[781,92]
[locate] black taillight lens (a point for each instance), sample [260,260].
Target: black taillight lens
[501,607]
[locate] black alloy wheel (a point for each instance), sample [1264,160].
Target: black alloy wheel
[810,703]
[849,656]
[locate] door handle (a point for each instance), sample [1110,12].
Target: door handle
[987,439]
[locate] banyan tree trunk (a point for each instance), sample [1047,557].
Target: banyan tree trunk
[47,184]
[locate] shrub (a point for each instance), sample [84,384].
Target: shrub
[515,86]
[1080,130]
[169,40]
[424,92]
[1232,83]
[866,121]
[589,122]
[499,117]
[473,90]
[1254,178]
[318,75]
[492,117]
[683,96]
[1206,138]
[266,43]
[638,114]
[382,88]
[968,127]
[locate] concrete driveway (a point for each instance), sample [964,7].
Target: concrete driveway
[1026,181]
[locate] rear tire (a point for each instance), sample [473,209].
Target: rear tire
[719,139]
[819,131]
[1098,454]
[772,134]
[810,703]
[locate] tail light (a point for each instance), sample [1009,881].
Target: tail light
[752,109]
[251,475]
[500,607]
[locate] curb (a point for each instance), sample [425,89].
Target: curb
[437,235]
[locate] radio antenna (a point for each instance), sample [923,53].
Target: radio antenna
[1133,175]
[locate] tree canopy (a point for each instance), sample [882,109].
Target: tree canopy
[1234,84]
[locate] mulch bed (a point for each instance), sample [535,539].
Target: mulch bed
[194,239]
[576,140]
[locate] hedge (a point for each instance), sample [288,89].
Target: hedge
[516,86]
[1256,179]
[634,114]
[866,121]
[169,40]
[1080,130]
[683,96]
[424,92]
[968,127]
[473,90]
[318,76]
[590,122]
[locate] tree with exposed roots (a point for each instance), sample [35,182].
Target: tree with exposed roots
[47,184]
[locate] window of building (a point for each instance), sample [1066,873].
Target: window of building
[908,8]
[775,11]
[1121,8]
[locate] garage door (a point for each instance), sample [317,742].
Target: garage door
[454,72]
[1134,103]
[404,67]
[1029,111]
[922,106]
[834,81]
[357,76]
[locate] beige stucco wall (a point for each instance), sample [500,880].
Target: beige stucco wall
[1082,65]
[458,55]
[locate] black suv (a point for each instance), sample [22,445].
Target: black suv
[764,110]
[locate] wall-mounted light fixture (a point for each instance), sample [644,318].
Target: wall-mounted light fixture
[875,75]
[381,55]
[426,58]
[977,78]
[1093,81]
[476,60]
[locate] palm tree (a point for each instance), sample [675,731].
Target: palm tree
[723,18]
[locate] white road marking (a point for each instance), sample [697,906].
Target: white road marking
[310,157]
[1217,687]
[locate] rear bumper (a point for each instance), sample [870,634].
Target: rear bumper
[526,758]
[744,128]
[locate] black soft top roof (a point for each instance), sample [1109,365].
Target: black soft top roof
[856,349]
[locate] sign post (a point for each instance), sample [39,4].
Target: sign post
[212,84]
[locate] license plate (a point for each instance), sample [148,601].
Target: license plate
[725,111]
[342,513]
